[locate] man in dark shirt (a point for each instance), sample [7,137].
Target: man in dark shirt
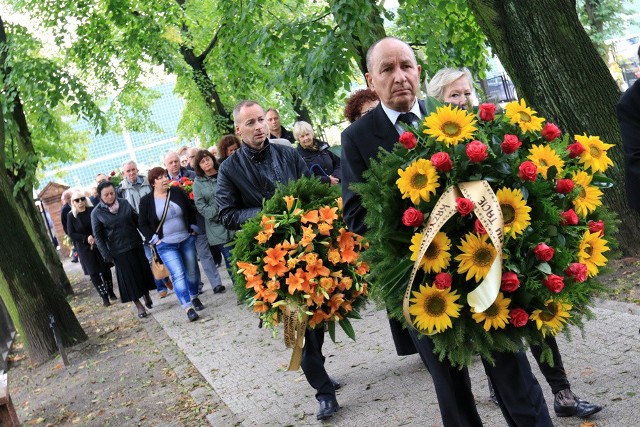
[275,127]
[628,110]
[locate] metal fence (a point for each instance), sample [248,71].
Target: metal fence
[7,334]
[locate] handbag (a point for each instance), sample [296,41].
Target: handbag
[158,268]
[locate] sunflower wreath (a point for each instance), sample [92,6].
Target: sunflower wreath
[296,258]
[487,228]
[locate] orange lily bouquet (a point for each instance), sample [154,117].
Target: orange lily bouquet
[297,259]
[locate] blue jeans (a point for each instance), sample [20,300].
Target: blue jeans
[226,254]
[182,262]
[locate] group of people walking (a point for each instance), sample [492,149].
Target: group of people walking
[230,184]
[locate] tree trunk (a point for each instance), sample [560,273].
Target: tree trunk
[26,286]
[556,68]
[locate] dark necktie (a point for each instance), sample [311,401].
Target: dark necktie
[407,118]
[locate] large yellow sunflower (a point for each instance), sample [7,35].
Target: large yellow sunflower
[553,318]
[437,257]
[523,116]
[591,250]
[496,316]
[476,257]
[450,125]
[418,180]
[595,153]
[514,211]
[433,308]
[589,197]
[545,157]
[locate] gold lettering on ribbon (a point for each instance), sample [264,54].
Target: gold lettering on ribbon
[487,210]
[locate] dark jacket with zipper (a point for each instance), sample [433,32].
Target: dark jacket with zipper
[149,219]
[321,161]
[115,233]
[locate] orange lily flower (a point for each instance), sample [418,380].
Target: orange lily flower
[328,214]
[318,317]
[325,228]
[249,269]
[296,281]
[339,202]
[274,262]
[363,268]
[311,216]
[307,236]
[289,201]
[317,269]
[260,307]
[333,256]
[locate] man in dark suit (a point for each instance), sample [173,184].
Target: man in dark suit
[628,110]
[394,76]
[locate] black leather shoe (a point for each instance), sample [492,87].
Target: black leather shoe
[219,289]
[327,408]
[197,304]
[567,404]
[192,315]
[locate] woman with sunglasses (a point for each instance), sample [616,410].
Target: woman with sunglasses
[93,265]
[115,229]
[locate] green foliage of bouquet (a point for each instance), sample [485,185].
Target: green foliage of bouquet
[297,256]
[498,217]
[115,176]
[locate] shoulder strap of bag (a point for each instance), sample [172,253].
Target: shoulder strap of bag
[164,213]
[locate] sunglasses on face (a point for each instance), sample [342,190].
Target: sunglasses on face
[80,199]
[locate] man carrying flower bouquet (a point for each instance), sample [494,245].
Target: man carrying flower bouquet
[244,181]
[394,75]
[628,110]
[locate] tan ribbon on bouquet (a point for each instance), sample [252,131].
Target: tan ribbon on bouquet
[487,209]
[294,328]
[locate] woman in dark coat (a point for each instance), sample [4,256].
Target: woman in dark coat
[115,228]
[93,265]
[321,162]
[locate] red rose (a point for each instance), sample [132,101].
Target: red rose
[569,217]
[479,227]
[564,186]
[543,252]
[518,317]
[577,271]
[174,183]
[442,281]
[476,151]
[487,111]
[595,226]
[408,140]
[575,149]
[191,196]
[550,132]
[464,206]
[113,173]
[510,144]
[510,281]
[412,217]
[554,283]
[528,171]
[441,161]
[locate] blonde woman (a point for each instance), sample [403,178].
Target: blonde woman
[93,265]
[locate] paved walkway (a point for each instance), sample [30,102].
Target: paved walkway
[246,368]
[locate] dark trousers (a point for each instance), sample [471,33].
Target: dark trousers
[313,364]
[519,394]
[556,375]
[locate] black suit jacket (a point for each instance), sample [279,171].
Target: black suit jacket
[628,110]
[361,141]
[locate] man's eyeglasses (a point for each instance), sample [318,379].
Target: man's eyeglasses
[80,199]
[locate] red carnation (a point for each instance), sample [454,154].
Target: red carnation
[543,252]
[510,281]
[479,227]
[577,271]
[408,140]
[476,151]
[191,196]
[569,217]
[442,281]
[441,161]
[564,186]
[510,144]
[528,170]
[554,283]
[518,317]
[575,149]
[487,111]
[412,217]
[550,132]
[464,206]
[596,226]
